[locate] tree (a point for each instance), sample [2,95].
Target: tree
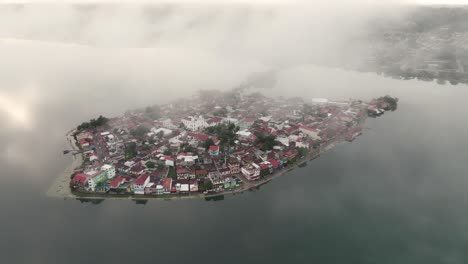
[130,150]
[209,142]
[302,152]
[172,173]
[392,101]
[267,142]
[206,185]
[139,132]
[150,165]
[185,147]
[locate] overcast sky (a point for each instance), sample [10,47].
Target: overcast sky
[445,2]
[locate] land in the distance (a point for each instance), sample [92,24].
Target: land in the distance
[212,144]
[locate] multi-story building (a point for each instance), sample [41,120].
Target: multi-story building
[140,184]
[109,170]
[195,123]
[251,172]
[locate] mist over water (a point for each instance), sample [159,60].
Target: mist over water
[397,194]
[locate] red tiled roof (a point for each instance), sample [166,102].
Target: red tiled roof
[201,137]
[201,172]
[141,180]
[114,184]
[214,120]
[167,183]
[274,163]
[81,178]
[214,148]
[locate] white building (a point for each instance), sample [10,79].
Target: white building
[186,159]
[140,184]
[169,124]
[251,172]
[312,133]
[194,123]
[283,140]
[165,131]
[109,170]
[244,133]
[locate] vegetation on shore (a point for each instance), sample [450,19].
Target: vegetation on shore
[93,123]
[391,101]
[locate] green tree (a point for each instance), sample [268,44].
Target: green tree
[267,142]
[206,185]
[150,165]
[130,150]
[172,173]
[139,132]
[209,142]
[302,152]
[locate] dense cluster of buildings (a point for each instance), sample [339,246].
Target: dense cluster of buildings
[213,142]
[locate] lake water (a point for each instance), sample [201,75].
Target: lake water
[397,194]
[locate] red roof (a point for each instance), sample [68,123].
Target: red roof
[214,120]
[214,148]
[141,180]
[81,178]
[263,166]
[201,137]
[308,128]
[167,183]
[249,119]
[114,183]
[121,178]
[274,163]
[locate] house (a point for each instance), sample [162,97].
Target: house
[201,173]
[109,170]
[234,166]
[169,124]
[84,142]
[117,182]
[246,122]
[312,133]
[187,186]
[167,185]
[214,121]
[168,161]
[137,169]
[225,171]
[197,136]
[302,144]
[251,172]
[274,163]
[140,183]
[186,158]
[194,123]
[213,150]
[80,180]
[96,178]
[164,131]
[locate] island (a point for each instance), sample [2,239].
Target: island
[212,144]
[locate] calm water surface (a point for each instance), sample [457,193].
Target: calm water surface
[398,194]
